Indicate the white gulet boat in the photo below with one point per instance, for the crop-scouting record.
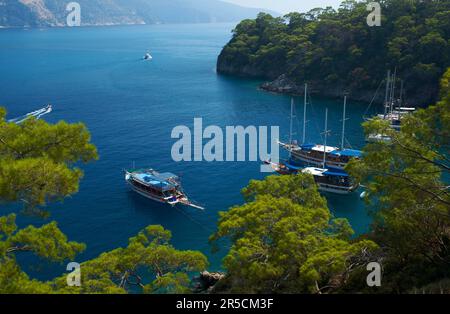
(160, 187)
(394, 111)
(331, 180)
(314, 154)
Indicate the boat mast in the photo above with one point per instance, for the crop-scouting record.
(325, 139)
(393, 92)
(343, 123)
(400, 101)
(386, 97)
(291, 123)
(304, 113)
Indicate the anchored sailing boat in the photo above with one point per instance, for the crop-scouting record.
(392, 113)
(313, 154)
(160, 187)
(328, 180)
(333, 181)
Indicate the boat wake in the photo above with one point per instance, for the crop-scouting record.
(37, 114)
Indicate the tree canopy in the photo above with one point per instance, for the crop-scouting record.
(285, 240)
(407, 183)
(148, 264)
(38, 160)
(46, 242)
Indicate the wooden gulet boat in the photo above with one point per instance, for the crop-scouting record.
(160, 187)
(314, 154)
(327, 179)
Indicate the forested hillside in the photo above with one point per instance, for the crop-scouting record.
(38, 13)
(336, 51)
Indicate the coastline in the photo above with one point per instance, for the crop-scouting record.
(286, 86)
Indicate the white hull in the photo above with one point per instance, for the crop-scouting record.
(335, 190)
(149, 196)
(317, 162)
(378, 138)
(327, 186)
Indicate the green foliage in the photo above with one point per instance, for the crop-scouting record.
(284, 239)
(408, 192)
(46, 242)
(336, 48)
(37, 160)
(148, 255)
(37, 166)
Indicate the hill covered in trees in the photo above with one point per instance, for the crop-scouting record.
(336, 51)
(47, 13)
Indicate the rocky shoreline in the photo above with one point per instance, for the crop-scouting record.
(284, 85)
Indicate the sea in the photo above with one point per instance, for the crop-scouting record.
(97, 75)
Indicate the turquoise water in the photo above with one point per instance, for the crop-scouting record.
(96, 75)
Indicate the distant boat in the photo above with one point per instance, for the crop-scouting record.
(160, 187)
(148, 56)
(394, 111)
(378, 138)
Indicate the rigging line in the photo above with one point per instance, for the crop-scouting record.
(348, 143)
(373, 99)
(192, 219)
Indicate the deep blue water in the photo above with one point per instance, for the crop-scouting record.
(96, 75)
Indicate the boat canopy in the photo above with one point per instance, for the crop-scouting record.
(166, 176)
(318, 148)
(159, 181)
(347, 153)
(326, 149)
(307, 146)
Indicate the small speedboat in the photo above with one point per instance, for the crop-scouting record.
(148, 56)
(36, 114)
(160, 187)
